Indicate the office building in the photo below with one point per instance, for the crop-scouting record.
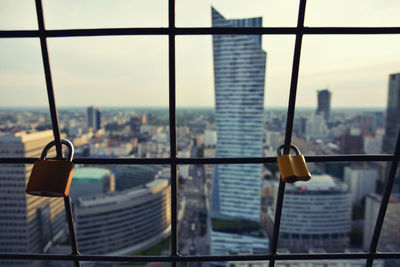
(239, 76)
(122, 223)
(93, 118)
(316, 214)
(324, 104)
(28, 223)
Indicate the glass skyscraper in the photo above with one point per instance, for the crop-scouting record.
(239, 76)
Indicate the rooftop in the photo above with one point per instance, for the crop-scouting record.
(129, 195)
(318, 182)
(89, 174)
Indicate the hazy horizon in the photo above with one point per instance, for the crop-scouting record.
(133, 70)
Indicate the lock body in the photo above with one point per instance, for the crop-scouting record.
(293, 168)
(50, 178)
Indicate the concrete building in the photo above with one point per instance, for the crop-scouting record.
(28, 224)
(389, 239)
(324, 104)
(361, 181)
(129, 221)
(89, 181)
(316, 214)
(239, 76)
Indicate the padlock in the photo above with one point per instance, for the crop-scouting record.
(52, 177)
(292, 168)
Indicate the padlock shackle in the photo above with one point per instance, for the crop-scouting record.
(65, 142)
(295, 148)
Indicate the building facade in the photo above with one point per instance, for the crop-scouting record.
(124, 222)
(28, 224)
(316, 214)
(239, 70)
(239, 77)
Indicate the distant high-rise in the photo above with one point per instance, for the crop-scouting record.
(239, 76)
(324, 103)
(93, 118)
(28, 223)
(392, 114)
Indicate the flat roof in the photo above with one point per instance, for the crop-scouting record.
(89, 174)
(318, 182)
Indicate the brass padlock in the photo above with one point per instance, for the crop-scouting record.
(292, 168)
(52, 177)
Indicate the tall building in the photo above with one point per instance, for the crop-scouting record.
(392, 124)
(239, 76)
(93, 118)
(324, 103)
(392, 114)
(28, 223)
(315, 214)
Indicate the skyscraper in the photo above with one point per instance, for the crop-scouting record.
(93, 118)
(324, 103)
(392, 114)
(28, 223)
(392, 126)
(239, 76)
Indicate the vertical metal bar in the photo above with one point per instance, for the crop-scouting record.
(172, 130)
(49, 83)
(54, 120)
(71, 228)
(289, 125)
(384, 203)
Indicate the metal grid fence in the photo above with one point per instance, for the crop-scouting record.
(171, 31)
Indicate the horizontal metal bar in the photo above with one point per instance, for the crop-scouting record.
(245, 160)
(254, 257)
(198, 31)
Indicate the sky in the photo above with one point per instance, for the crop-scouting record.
(133, 70)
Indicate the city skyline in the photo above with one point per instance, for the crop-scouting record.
(91, 66)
